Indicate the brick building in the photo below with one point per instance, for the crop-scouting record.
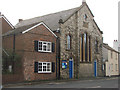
(36, 45)
(78, 44)
(5, 25)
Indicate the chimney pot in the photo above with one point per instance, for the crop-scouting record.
(20, 20)
(83, 1)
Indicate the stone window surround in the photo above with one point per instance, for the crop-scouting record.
(70, 41)
(85, 16)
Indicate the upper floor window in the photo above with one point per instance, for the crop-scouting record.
(68, 42)
(86, 46)
(43, 46)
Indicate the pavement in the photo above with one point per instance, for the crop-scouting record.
(56, 82)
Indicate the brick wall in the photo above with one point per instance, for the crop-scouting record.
(24, 46)
(5, 26)
(39, 33)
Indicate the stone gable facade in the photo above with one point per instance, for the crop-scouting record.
(79, 23)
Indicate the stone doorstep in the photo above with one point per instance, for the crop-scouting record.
(55, 81)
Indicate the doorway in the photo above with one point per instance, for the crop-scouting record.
(95, 68)
(70, 68)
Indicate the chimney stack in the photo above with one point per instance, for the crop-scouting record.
(20, 20)
(0, 14)
(83, 1)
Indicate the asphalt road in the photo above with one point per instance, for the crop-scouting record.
(96, 83)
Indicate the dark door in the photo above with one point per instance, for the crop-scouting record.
(95, 68)
(70, 69)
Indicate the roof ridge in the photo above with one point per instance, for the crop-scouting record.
(108, 47)
(51, 13)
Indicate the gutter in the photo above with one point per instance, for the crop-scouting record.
(57, 58)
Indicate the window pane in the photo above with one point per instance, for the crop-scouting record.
(48, 47)
(40, 63)
(40, 43)
(48, 69)
(68, 42)
(82, 48)
(44, 48)
(85, 42)
(40, 69)
(44, 42)
(40, 46)
(48, 66)
(48, 63)
(44, 68)
(44, 63)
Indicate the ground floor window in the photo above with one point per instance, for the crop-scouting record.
(44, 67)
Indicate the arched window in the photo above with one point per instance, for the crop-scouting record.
(68, 42)
(85, 42)
(82, 47)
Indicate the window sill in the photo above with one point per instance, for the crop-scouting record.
(86, 62)
(68, 49)
(44, 72)
(97, 53)
(44, 51)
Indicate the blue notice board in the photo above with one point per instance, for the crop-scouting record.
(64, 64)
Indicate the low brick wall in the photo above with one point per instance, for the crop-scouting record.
(12, 78)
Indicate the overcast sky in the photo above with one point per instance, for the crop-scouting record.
(105, 12)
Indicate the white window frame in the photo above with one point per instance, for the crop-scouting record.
(46, 46)
(46, 67)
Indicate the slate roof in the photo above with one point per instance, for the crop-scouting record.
(51, 20)
(19, 29)
(108, 47)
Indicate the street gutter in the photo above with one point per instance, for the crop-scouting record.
(55, 81)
